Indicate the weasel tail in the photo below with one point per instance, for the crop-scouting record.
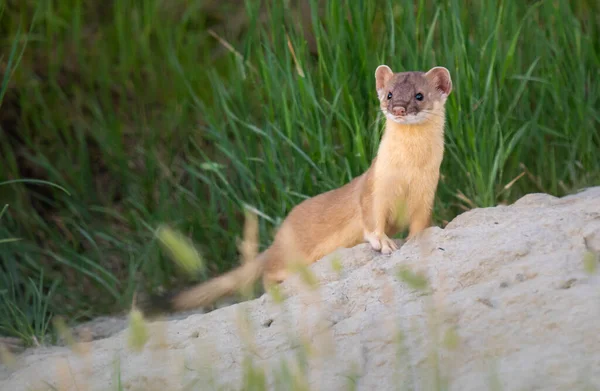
(239, 279)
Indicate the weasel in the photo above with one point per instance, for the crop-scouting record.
(397, 190)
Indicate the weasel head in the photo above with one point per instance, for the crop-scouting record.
(409, 98)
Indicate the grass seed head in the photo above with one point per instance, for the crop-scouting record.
(181, 250)
(138, 330)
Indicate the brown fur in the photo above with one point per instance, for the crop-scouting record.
(397, 190)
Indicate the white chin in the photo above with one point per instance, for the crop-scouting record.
(409, 119)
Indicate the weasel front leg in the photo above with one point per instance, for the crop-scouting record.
(378, 239)
(420, 218)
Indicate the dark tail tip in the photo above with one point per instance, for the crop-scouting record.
(156, 304)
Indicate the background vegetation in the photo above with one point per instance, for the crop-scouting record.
(118, 116)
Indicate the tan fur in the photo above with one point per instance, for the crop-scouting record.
(397, 190)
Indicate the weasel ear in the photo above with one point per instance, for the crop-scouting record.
(439, 77)
(383, 73)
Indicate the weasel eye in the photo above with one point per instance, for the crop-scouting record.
(419, 96)
(389, 95)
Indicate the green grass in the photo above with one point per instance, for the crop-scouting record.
(139, 116)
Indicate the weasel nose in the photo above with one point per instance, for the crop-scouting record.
(399, 110)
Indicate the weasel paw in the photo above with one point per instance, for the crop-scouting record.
(381, 243)
(388, 246)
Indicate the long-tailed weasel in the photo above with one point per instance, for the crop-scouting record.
(397, 190)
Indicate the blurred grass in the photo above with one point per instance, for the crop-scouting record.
(182, 112)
